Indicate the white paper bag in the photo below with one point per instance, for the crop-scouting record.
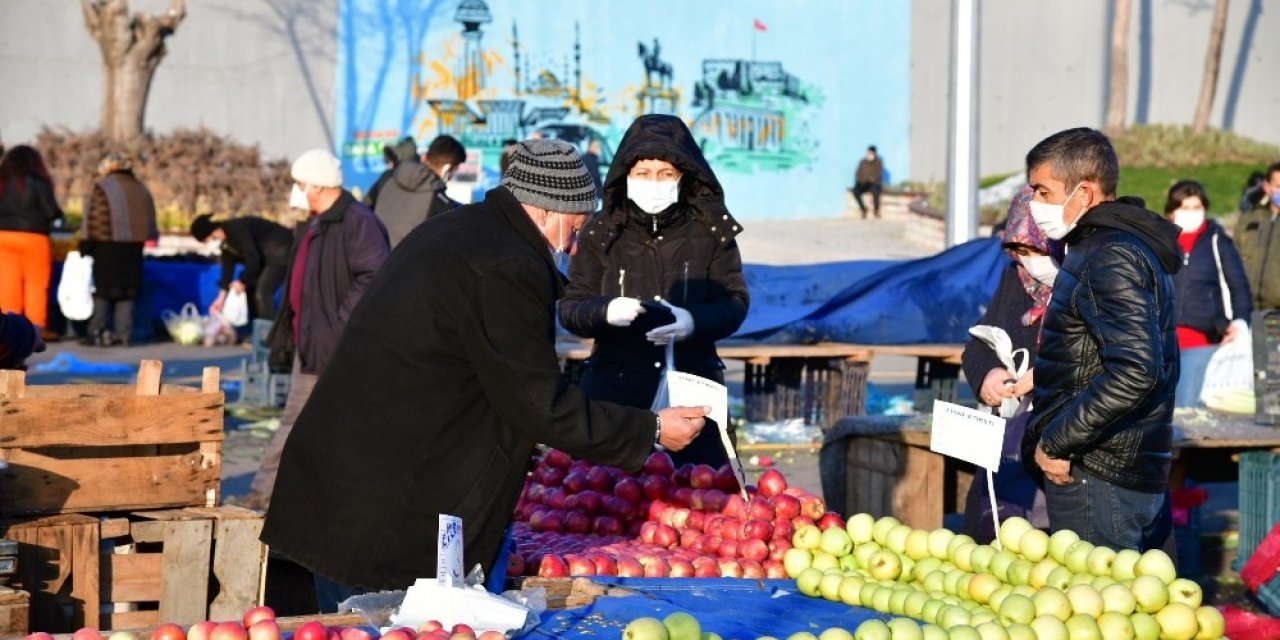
(75, 288)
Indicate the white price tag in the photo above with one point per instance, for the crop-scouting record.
(449, 552)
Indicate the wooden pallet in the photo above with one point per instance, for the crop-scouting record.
(14, 619)
(141, 568)
(93, 448)
(567, 593)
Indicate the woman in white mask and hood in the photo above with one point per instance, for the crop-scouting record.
(659, 264)
(1018, 307)
(1211, 291)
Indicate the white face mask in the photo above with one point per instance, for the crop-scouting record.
(1043, 268)
(1051, 217)
(1188, 219)
(653, 196)
(298, 198)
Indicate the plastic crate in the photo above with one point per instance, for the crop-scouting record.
(259, 387)
(1266, 366)
(1259, 500)
(1269, 595)
(1187, 540)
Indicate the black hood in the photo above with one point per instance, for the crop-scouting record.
(1129, 214)
(664, 137)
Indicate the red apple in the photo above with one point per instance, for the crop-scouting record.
(617, 507)
(463, 629)
(38, 635)
(702, 477)
(785, 506)
(728, 549)
(580, 566)
(778, 548)
(656, 487)
(759, 509)
(696, 520)
(659, 464)
(690, 538)
(752, 570)
(429, 626)
(605, 566)
(257, 613)
(598, 479)
(730, 568)
(590, 502)
(735, 507)
(265, 629)
(347, 633)
(756, 549)
(697, 499)
(647, 530)
(680, 518)
(681, 568)
(552, 566)
(577, 523)
(774, 570)
(553, 477)
(730, 529)
(711, 545)
(682, 474)
(86, 633)
(515, 566)
(665, 536)
(492, 635)
(553, 521)
(772, 483)
(782, 528)
(628, 489)
(803, 521)
(557, 458)
(714, 500)
(725, 480)
(401, 633)
(655, 509)
(571, 502)
(166, 631)
(812, 507)
(831, 519)
(575, 481)
(606, 526)
(757, 530)
(554, 498)
(201, 630)
(235, 631)
(680, 497)
(630, 568)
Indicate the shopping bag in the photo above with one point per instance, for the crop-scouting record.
(235, 308)
(75, 288)
(186, 327)
(662, 399)
(217, 331)
(1228, 380)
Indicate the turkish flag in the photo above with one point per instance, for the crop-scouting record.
(759, 26)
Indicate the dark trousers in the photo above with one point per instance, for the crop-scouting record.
(863, 187)
(123, 324)
(264, 291)
(1108, 515)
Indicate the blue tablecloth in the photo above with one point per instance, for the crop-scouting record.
(733, 608)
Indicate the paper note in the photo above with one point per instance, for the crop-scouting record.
(449, 551)
(967, 434)
(688, 390)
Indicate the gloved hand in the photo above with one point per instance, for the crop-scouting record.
(623, 311)
(676, 331)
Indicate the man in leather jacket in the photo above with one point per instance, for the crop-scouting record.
(1108, 362)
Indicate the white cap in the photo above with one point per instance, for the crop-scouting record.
(318, 167)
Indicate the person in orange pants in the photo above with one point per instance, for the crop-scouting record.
(28, 210)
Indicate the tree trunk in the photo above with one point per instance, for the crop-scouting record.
(1118, 101)
(132, 48)
(1212, 61)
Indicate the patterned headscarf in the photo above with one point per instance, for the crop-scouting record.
(1020, 229)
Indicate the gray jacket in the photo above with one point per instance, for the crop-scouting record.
(413, 194)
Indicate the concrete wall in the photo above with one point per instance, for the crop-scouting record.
(258, 70)
(1044, 67)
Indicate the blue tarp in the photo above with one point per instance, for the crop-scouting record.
(736, 609)
(930, 300)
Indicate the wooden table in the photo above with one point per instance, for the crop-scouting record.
(819, 382)
(891, 471)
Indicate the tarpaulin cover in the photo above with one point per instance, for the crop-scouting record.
(736, 609)
(929, 300)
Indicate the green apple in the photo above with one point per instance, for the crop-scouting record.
(808, 582)
(934, 632)
(981, 617)
(917, 544)
(1059, 578)
(1019, 572)
(931, 608)
(1115, 626)
(998, 597)
(1151, 593)
(880, 599)
(858, 526)
(1034, 545)
(849, 588)
(914, 605)
(1040, 572)
(1052, 602)
(1021, 632)
(807, 537)
(963, 555)
(963, 632)
(1011, 532)
(829, 586)
(796, 560)
(981, 586)
(1085, 599)
(1078, 557)
(962, 586)
(1155, 562)
(981, 558)
(896, 539)
(1178, 622)
(935, 581)
(956, 541)
(1212, 625)
(1024, 590)
(1125, 563)
(999, 566)
(682, 626)
(992, 631)
(880, 530)
(835, 633)
(1101, 582)
(1100, 561)
(952, 615)
(863, 553)
(1119, 599)
(908, 574)
(1185, 591)
(926, 566)
(939, 540)
(847, 563)
(835, 542)
(645, 629)
(905, 629)
(823, 561)
(952, 583)
(1049, 628)
(872, 630)
(1083, 626)
(1081, 578)
(1145, 626)
(1059, 542)
(1017, 609)
(802, 635)
(885, 565)
(898, 602)
(866, 593)
(970, 606)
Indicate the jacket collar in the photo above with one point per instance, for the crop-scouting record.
(338, 211)
(515, 216)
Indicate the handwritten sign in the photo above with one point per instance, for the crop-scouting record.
(967, 434)
(449, 552)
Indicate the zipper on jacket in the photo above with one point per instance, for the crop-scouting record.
(622, 282)
(685, 284)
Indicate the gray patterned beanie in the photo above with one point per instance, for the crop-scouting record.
(549, 174)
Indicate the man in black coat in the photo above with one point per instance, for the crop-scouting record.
(261, 245)
(445, 379)
(1101, 428)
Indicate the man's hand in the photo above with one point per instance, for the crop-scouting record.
(1057, 471)
(680, 425)
(237, 286)
(1025, 384)
(998, 385)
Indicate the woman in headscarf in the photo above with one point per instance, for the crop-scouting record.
(1018, 308)
(658, 264)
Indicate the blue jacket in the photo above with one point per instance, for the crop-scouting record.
(1198, 291)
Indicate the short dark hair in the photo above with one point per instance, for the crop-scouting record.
(1076, 155)
(444, 150)
(1272, 170)
(203, 226)
(872, 149)
(1182, 190)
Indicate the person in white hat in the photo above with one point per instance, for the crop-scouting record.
(337, 252)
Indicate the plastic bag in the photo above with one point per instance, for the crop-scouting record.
(662, 399)
(75, 288)
(1228, 380)
(235, 309)
(217, 331)
(186, 327)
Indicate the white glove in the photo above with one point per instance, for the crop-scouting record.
(676, 331)
(623, 311)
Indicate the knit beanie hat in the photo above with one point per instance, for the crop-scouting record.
(549, 174)
(317, 167)
(202, 227)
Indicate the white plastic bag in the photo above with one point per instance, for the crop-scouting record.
(217, 331)
(235, 308)
(185, 327)
(662, 399)
(75, 288)
(1228, 380)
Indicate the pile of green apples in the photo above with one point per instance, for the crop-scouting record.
(1026, 584)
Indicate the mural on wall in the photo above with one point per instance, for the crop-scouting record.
(487, 72)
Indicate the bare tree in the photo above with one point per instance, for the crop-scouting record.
(1212, 62)
(132, 48)
(1117, 103)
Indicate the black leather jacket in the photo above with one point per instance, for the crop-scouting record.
(1108, 361)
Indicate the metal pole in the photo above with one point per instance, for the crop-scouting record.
(962, 145)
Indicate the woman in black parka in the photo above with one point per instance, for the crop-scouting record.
(659, 263)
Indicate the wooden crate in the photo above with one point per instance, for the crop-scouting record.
(13, 613)
(140, 569)
(94, 448)
(567, 593)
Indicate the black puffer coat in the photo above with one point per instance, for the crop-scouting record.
(686, 254)
(1108, 361)
(1198, 289)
